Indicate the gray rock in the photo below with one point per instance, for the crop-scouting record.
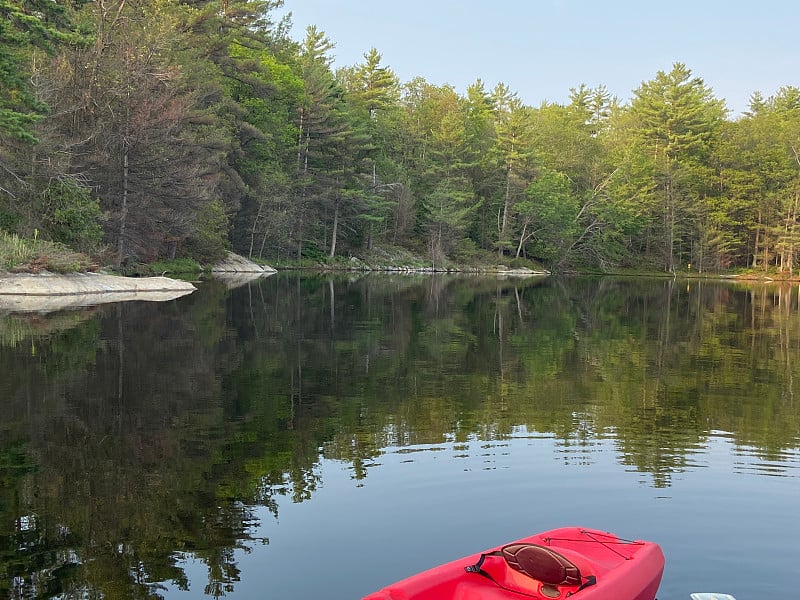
(46, 292)
(239, 264)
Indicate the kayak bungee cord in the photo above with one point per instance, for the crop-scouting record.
(592, 539)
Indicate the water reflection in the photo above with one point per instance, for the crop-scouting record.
(137, 437)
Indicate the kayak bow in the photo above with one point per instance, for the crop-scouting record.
(591, 564)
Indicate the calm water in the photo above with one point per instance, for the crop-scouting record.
(310, 437)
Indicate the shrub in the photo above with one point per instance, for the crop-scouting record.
(209, 243)
(8, 220)
(72, 216)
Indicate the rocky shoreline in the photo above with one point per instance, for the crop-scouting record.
(47, 292)
(500, 270)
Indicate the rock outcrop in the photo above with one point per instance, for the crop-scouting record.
(46, 292)
(239, 264)
(236, 271)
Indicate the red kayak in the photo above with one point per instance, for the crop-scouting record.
(587, 564)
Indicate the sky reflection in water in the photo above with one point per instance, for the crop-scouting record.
(314, 437)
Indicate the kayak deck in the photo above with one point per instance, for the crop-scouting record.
(610, 568)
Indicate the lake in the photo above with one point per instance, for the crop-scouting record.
(312, 436)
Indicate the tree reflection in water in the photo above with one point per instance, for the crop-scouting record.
(136, 434)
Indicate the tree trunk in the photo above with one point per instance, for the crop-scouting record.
(506, 205)
(793, 231)
(335, 228)
(521, 239)
(123, 213)
(253, 229)
(756, 242)
(300, 241)
(670, 226)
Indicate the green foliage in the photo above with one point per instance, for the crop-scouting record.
(217, 102)
(677, 115)
(313, 253)
(374, 88)
(26, 26)
(449, 209)
(667, 140)
(521, 263)
(176, 266)
(552, 209)
(209, 242)
(467, 252)
(8, 220)
(73, 216)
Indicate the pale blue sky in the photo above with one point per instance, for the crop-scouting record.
(542, 48)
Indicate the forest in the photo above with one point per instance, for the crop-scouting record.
(140, 130)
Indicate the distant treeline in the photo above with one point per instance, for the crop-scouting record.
(149, 129)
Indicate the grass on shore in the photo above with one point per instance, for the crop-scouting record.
(20, 255)
(180, 268)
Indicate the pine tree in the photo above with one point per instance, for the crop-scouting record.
(676, 119)
(373, 92)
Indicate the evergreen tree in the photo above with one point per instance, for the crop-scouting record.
(515, 155)
(31, 32)
(476, 163)
(324, 188)
(25, 27)
(373, 92)
(675, 120)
